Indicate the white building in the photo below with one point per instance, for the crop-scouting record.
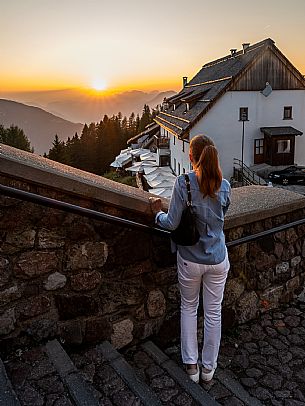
(256, 89)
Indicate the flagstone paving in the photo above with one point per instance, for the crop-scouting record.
(266, 357)
(260, 363)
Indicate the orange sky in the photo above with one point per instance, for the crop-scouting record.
(47, 44)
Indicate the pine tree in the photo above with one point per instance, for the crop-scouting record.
(58, 151)
(137, 124)
(131, 125)
(15, 137)
(73, 150)
(99, 143)
(145, 118)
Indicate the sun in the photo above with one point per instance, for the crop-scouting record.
(99, 84)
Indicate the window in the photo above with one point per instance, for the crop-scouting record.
(283, 146)
(175, 165)
(287, 113)
(259, 146)
(182, 146)
(243, 114)
(183, 169)
(164, 160)
(191, 167)
(178, 168)
(174, 140)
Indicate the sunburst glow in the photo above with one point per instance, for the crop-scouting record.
(99, 84)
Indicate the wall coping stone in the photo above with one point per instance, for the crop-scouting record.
(255, 203)
(249, 203)
(42, 171)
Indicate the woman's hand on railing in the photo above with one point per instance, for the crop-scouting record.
(155, 204)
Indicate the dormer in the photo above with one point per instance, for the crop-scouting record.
(191, 99)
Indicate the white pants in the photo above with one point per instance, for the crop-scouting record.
(213, 278)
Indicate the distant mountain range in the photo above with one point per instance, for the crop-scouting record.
(63, 112)
(79, 106)
(39, 126)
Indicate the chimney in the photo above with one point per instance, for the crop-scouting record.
(184, 81)
(245, 46)
(164, 104)
(233, 51)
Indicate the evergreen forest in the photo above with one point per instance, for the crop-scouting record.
(99, 143)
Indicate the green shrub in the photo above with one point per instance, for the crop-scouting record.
(117, 177)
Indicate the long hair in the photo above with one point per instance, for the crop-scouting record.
(197, 144)
(208, 170)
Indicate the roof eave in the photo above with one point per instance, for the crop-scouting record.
(167, 128)
(229, 85)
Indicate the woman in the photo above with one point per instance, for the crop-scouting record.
(205, 262)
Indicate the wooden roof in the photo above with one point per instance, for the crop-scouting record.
(249, 70)
(278, 131)
(150, 129)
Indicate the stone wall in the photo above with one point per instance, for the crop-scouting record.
(267, 272)
(85, 281)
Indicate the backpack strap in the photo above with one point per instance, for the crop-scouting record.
(188, 188)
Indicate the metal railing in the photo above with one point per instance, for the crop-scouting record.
(71, 208)
(162, 142)
(146, 141)
(245, 175)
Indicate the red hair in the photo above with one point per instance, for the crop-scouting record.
(208, 171)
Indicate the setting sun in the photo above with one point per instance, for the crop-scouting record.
(99, 84)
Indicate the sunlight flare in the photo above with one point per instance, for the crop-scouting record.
(99, 84)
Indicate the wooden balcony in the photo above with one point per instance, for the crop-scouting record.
(162, 142)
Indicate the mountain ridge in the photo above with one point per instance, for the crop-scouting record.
(64, 112)
(39, 126)
(76, 106)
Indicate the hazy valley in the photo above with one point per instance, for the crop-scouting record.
(63, 112)
(77, 106)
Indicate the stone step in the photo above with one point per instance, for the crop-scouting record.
(8, 396)
(128, 375)
(110, 374)
(143, 376)
(224, 387)
(80, 390)
(237, 389)
(34, 379)
(195, 391)
(250, 176)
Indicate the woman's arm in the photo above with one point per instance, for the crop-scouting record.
(228, 201)
(171, 219)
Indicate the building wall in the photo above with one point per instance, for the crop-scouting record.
(222, 123)
(176, 153)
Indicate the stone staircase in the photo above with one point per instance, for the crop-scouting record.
(144, 375)
(246, 175)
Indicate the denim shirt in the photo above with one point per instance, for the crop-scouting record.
(211, 248)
